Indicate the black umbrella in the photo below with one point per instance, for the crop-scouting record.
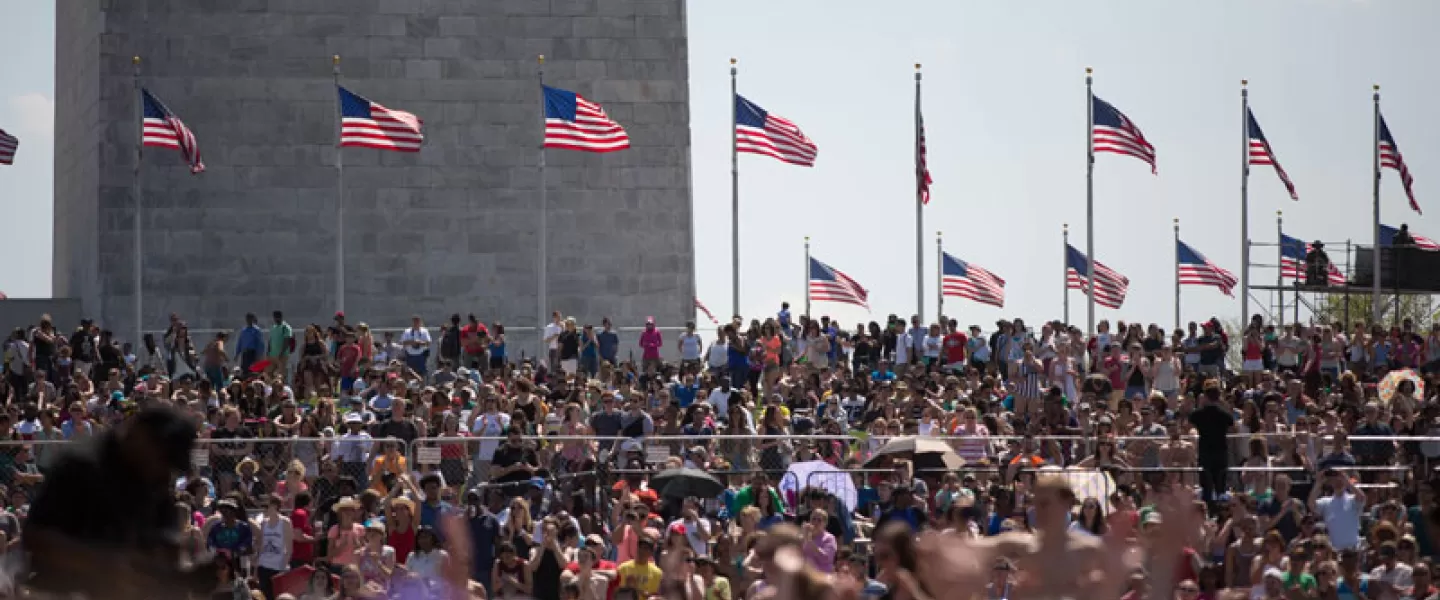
(925, 454)
(684, 483)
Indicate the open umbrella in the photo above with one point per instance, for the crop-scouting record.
(1391, 383)
(926, 454)
(820, 474)
(684, 483)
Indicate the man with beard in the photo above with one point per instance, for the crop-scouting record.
(103, 524)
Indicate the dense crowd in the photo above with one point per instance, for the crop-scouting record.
(330, 457)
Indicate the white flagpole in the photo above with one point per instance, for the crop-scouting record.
(540, 295)
(1090, 197)
(919, 208)
(339, 195)
(1244, 203)
(139, 207)
(807, 277)
(1375, 249)
(735, 206)
(1177, 273)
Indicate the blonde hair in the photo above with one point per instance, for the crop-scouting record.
(296, 467)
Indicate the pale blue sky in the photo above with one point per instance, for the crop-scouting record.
(1004, 108)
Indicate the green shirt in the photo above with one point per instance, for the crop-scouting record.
(1305, 581)
(280, 339)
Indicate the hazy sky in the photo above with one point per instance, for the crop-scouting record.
(1004, 105)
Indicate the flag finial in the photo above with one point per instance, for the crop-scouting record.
(732, 60)
(1278, 213)
(541, 59)
(1089, 71)
(1244, 82)
(1177, 221)
(335, 59)
(938, 233)
(917, 66)
(1377, 87)
(1064, 227)
(135, 60)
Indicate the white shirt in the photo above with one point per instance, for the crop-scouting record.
(902, 348)
(421, 335)
(489, 427)
(719, 354)
(720, 400)
(552, 333)
(353, 447)
(1399, 577)
(1341, 514)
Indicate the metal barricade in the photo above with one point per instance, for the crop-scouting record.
(269, 465)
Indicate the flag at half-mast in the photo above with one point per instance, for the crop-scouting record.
(1390, 158)
(829, 284)
(1194, 269)
(1388, 233)
(8, 145)
(365, 124)
(758, 131)
(968, 280)
(1110, 285)
(574, 123)
(706, 311)
(1292, 261)
(1262, 154)
(162, 129)
(1115, 133)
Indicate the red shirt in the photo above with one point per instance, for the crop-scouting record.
(603, 565)
(349, 356)
(470, 338)
(300, 521)
(403, 542)
(955, 347)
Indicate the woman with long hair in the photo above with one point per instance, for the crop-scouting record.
(497, 347)
(518, 527)
(314, 361)
(1092, 518)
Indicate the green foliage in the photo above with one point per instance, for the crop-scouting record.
(1333, 309)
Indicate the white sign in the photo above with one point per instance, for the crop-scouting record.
(200, 458)
(427, 455)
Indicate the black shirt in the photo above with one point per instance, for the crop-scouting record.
(1210, 356)
(1213, 422)
(507, 455)
(569, 345)
(402, 430)
(82, 346)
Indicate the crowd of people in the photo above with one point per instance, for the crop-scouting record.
(329, 459)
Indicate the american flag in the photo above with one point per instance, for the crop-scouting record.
(759, 132)
(1292, 261)
(165, 130)
(1390, 158)
(922, 170)
(1115, 133)
(366, 124)
(1194, 269)
(1110, 286)
(701, 306)
(1262, 154)
(967, 280)
(8, 144)
(574, 123)
(1387, 238)
(829, 284)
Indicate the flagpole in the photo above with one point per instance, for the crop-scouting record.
(138, 192)
(939, 278)
(1090, 197)
(339, 196)
(1244, 203)
(1177, 273)
(542, 272)
(919, 208)
(735, 208)
(1065, 268)
(1280, 258)
(807, 277)
(1375, 185)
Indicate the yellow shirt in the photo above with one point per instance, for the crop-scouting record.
(719, 589)
(645, 578)
(384, 465)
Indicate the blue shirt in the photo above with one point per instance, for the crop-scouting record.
(609, 345)
(236, 538)
(737, 358)
(683, 394)
(430, 515)
(251, 339)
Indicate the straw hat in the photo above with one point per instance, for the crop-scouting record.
(347, 502)
(250, 462)
(403, 502)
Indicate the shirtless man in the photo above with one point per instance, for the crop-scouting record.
(1055, 562)
(1177, 454)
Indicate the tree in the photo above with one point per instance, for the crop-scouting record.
(1334, 308)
